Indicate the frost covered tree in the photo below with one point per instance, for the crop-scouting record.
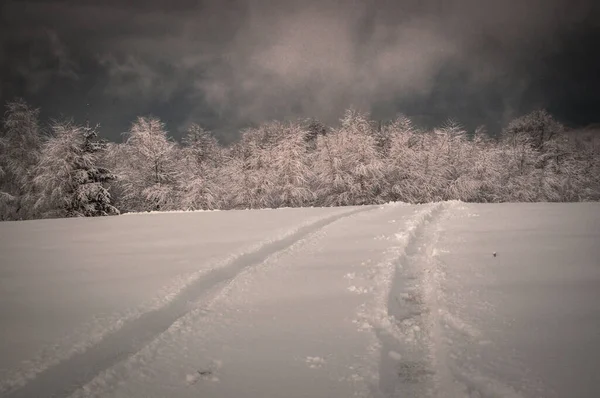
(147, 167)
(269, 167)
(537, 128)
(20, 143)
(6, 199)
(577, 165)
(405, 175)
(304, 163)
(485, 168)
(249, 167)
(236, 175)
(314, 129)
(453, 155)
(290, 177)
(531, 147)
(202, 157)
(348, 165)
(112, 158)
(67, 178)
(425, 166)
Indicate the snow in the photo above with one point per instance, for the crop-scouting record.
(444, 299)
(65, 284)
(526, 322)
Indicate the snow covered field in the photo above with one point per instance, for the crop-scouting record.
(374, 301)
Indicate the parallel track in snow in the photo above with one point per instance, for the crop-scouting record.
(407, 366)
(66, 377)
(415, 355)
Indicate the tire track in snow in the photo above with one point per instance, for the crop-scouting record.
(64, 378)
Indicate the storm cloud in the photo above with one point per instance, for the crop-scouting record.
(231, 63)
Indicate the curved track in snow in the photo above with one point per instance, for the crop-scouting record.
(65, 377)
(378, 301)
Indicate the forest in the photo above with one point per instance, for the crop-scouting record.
(66, 170)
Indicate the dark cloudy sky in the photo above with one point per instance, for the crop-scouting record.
(230, 63)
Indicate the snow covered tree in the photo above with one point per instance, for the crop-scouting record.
(314, 129)
(348, 165)
(236, 176)
(6, 198)
(20, 143)
(422, 167)
(68, 180)
(289, 164)
(531, 147)
(454, 154)
(290, 175)
(147, 167)
(202, 156)
(429, 166)
(485, 168)
(269, 167)
(249, 168)
(112, 158)
(537, 128)
(405, 178)
(577, 162)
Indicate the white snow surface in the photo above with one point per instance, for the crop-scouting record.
(376, 301)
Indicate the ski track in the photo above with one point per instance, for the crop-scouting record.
(64, 375)
(395, 314)
(413, 326)
(406, 318)
(108, 381)
(91, 333)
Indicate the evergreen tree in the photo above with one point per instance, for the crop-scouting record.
(68, 180)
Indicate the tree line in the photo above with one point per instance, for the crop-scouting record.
(66, 170)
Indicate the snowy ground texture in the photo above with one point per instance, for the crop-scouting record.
(375, 301)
